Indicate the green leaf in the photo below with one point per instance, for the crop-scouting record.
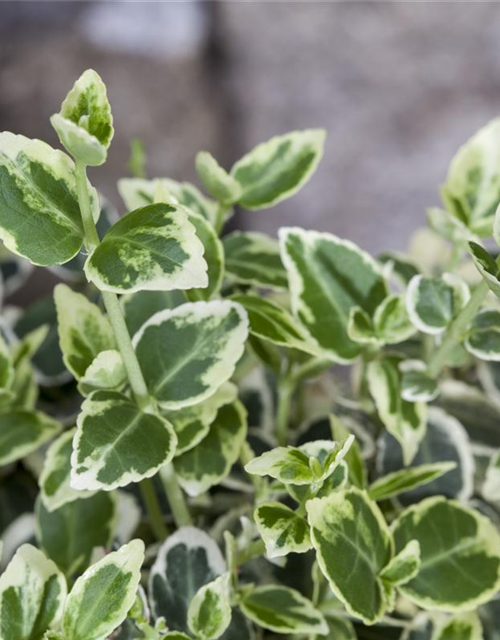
(22, 432)
(155, 247)
(286, 464)
(140, 306)
(187, 353)
(192, 424)
(460, 553)
(398, 267)
(213, 255)
(211, 460)
(102, 596)
(328, 277)
(466, 626)
(110, 450)
(39, 212)
(340, 629)
(407, 479)
(32, 594)
(406, 421)
(433, 302)
(491, 487)
(282, 530)
(404, 566)
(391, 320)
(217, 181)
(486, 266)
(472, 188)
(6, 365)
(483, 340)
(186, 561)
(353, 457)
(353, 545)
(282, 610)
(271, 322)
(254, 258)
(209, 613)
(54, 481)
(275, 170)
(447, 226)
(107, 371)
(83, 330)
(85, 124)
(360, 328)
(70, 533)
(416, 384)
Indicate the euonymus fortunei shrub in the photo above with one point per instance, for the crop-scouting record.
(182, 455)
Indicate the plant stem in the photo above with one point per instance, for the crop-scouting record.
(457, 329)
(175, 496)
(220, 217)
(285, 392)
(134, 372)
(153, 508)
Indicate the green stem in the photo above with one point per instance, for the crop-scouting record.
(134, 372)
(457, 329)
(153, 508)
(220, 217)
(175, 496)
(285, 393)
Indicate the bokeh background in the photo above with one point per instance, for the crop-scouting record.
(398, 86)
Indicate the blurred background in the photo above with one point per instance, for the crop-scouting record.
(398, 86)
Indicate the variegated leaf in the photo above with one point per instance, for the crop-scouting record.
(327, 278)
(217, 181)
(416, 384)
(32, 594)
(269, 321)
(209, 613)
(408, 479)
(85, 124)
(211, 460)
(286, 464)
(54, 481)
(282, 530)
(102, 596)
(360, 328)
(348, 525)
(465, 626)
(433, 302)
(472, 188)
(213, 255)
(23, 431)
(483, 339)
(106, 371)
(83, 330)
(39, 212)
(487, 267)
(460, 566)
(404, 566)
(275, 170)
(110, 450)
(406, 421)
(391, 320)
(187, 353)
(491, 487)
(187, 560)
(70, 533)
(140, 306)
(254, 258)
(282, 610)
(155, 248)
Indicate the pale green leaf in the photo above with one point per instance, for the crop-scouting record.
(275, 170)
(155, 248)
(254, 258)
(6, 365)
(433, 302)
(23, 431)
(406, 421)
(466, 626)
(186, 561)
(398, 267)
(217, 181)
(106, 371)
(460, 554)
(213, 255)
(483, 339)
(39, 213)
(491, 487)
(416, 384)
(54, 481)
(353, 457)
(271, 322)
(360, 328)
(472, 188)
(83, 330)
(286, 464)
(486, 266)
(404, 566)
(32, 594)
(340, 628)
(327, 278)
(282, 530)
(346, 525)
(110, 449)
(209, 612)
(70, 533)
(282, 610)
(187, 353)
(408, 479)
(445, 224)
(102, 596)
(391, 320)
(211, 460)
(85, 124)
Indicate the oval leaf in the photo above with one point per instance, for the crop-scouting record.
(282, 530)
